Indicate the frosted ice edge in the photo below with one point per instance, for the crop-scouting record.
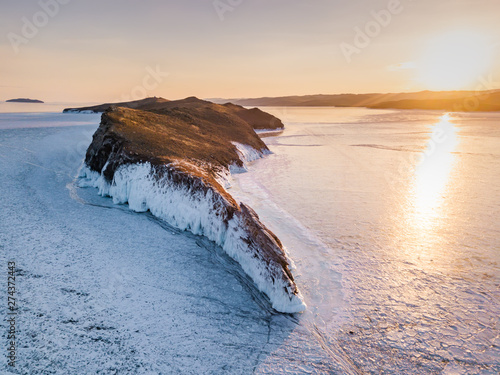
(195, 206)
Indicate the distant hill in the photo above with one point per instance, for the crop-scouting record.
(486, 102)
(24, 100)
(456, 101)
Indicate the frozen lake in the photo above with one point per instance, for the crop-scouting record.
(397, 255)
(392, 218)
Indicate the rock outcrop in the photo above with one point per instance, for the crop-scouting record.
(172, 159)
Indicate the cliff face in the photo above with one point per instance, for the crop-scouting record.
(171, 161)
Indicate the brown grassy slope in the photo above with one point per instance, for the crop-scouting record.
(198, 109)
(254, 116)
(194, 109)
(212, 121)
(131, 136)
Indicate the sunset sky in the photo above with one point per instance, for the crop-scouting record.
(94, 51)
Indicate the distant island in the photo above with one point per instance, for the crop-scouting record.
(455, 101)
(23, 100)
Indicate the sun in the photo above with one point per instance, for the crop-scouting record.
(455, 61)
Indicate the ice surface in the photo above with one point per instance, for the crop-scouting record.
(102, 289)
(105, 289)
(401, 270)
(42, 120)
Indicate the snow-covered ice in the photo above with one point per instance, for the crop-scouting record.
(391, 287)
(398, 261)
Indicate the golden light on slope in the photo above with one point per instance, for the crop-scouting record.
(455, 61)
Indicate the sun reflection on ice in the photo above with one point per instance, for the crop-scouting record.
(433, 171)
(426, 214)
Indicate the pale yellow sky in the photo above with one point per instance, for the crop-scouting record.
(94, 51)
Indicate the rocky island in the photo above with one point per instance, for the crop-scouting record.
(174, 158)
(23, 100)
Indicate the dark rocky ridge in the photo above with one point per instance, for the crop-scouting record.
(188, 144)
